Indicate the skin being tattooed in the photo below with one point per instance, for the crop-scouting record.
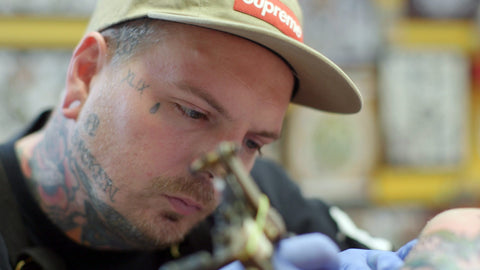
(446, 249)
(450, 241)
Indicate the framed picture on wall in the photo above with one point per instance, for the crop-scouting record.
(443, 9)
(424, 106)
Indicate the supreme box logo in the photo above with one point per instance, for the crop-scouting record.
(273, 12)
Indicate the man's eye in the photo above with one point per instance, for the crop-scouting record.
(253, 146)
(191, 113)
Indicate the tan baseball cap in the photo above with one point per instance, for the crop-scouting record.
(275, 24)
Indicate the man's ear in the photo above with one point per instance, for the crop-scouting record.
(87, 60)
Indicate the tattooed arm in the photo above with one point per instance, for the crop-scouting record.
(451, 240)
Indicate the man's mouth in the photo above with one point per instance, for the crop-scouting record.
(183, 206)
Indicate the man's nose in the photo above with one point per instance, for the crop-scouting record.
(246, 158)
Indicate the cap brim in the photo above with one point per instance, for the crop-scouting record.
(322, 84)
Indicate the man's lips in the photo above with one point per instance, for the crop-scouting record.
(183, 206)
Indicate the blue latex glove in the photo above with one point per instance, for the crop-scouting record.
(403, 251)
(313, 251)
(364, 259)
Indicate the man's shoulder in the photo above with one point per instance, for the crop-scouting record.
(268, 172)
(11, 225)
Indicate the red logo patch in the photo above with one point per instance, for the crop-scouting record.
(273, 12)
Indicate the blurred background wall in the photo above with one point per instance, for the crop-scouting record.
(412, 151)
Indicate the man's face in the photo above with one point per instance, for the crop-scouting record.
(146, 119)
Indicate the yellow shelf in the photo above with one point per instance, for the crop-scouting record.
(461, 34)
(395, 185)
(435, 188)
(27, 32)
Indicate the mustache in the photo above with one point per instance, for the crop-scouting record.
(198, 188)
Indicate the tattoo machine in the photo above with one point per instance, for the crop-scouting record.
(246, 226)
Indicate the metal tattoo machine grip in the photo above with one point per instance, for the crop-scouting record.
(246, 227)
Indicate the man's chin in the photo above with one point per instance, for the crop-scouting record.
(170, 230)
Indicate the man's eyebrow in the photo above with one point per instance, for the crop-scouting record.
(199, 92)
(268, 134)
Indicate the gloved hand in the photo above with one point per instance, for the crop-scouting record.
(403, 251)
(313, 251)
(364, 259)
